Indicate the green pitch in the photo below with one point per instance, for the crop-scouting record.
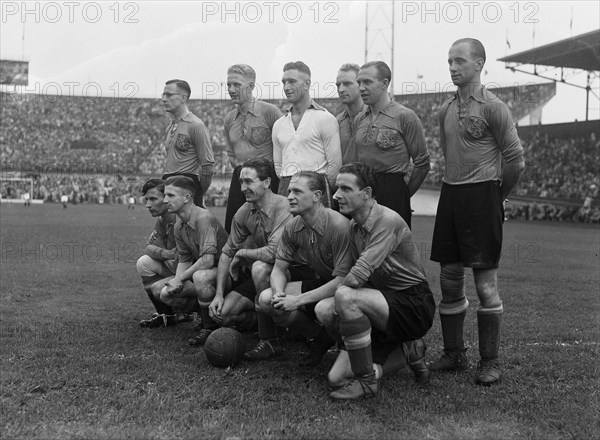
(75, 364)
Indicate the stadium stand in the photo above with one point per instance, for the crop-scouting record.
(99, 150)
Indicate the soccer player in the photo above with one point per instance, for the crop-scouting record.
(388, 135)
(160, 255)
(384, 300)
(199, 237)
(349, 94)
(319, 236)
(189, 152)
(247, 131)
(484, 160)
(262, 218)
(306, 138)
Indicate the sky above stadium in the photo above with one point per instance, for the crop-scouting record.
(129, 49)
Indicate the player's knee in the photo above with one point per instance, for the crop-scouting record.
(325, 311)
(202, 277)
(143, 266)
(261, 271)
(263, 302)
(344, 296)
(486, 285)
(452, 282)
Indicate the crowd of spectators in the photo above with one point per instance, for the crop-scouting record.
(96, 149)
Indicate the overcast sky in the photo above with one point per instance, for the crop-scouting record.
(132, 48)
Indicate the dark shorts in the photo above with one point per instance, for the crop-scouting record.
(307, 286)
(392, 192)
(468, 225)
(411, 315)
(199, 196)
(236, 197)
(245, 286)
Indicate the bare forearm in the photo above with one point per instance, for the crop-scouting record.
(260, 254)
(222, 274)
(325, 291)
(416, 179)
(159, 253)
(511, 173)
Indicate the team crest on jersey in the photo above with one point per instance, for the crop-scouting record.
(183, 142)
(259, 135)
(387, 139)
(476, 127)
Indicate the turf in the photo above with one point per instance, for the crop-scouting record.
(75, 364)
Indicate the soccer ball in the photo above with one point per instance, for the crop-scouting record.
(225, 347)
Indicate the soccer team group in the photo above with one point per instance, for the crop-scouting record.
(317, 238)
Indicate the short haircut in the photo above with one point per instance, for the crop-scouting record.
(383, 70)
(153, 183)
(263, 167)
(316, 181)
(181, 84)
(350, 67)
(297, 65)
(243, 69)
(477, 49)
(365, 175)
(183, 182)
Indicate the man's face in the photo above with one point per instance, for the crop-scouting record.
(464, 67)
(154, 202)
(176, 198)
(347, 87)
(349, 196)
(371, 88)
(295, 85)
(173, 98)
(239, 88)
(300, 196)
(253, 188)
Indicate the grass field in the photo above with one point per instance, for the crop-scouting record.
(75, 364)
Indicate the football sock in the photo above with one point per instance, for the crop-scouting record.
(207, 321)
(161, 308)
(266, 327)
(356, 334)
(489, 323)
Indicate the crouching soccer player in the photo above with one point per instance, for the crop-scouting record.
(384, 300)
(199, 237)
(262, 218)
(318, 236)
(160, 255)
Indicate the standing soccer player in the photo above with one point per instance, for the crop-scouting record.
(262, 217)
(384, 300)
(349, 93)
(247, 131)
(189, 152)
(484, 160)
(199, 237)
(306, 138)
(318, 236)
(388, 136)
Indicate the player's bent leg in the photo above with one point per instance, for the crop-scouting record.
(269, 344)
(151, 271)
(204, 282)
(452, 309)
(489, 324)
(325, 311)
(261, 274)
(238, 311)
(355, 327)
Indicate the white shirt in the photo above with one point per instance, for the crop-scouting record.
(314, 146)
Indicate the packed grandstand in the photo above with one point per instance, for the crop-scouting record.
(100, 150)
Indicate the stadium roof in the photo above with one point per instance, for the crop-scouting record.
(580, 52)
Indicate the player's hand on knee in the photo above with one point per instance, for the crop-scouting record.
(174, 286)
(215, 308)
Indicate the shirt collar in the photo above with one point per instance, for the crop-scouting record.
(312, 105)
(196, 211)
(373, 216)
(250, 110)
(319, 224)
(385, 110)
(267, 208)
(478, 94)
